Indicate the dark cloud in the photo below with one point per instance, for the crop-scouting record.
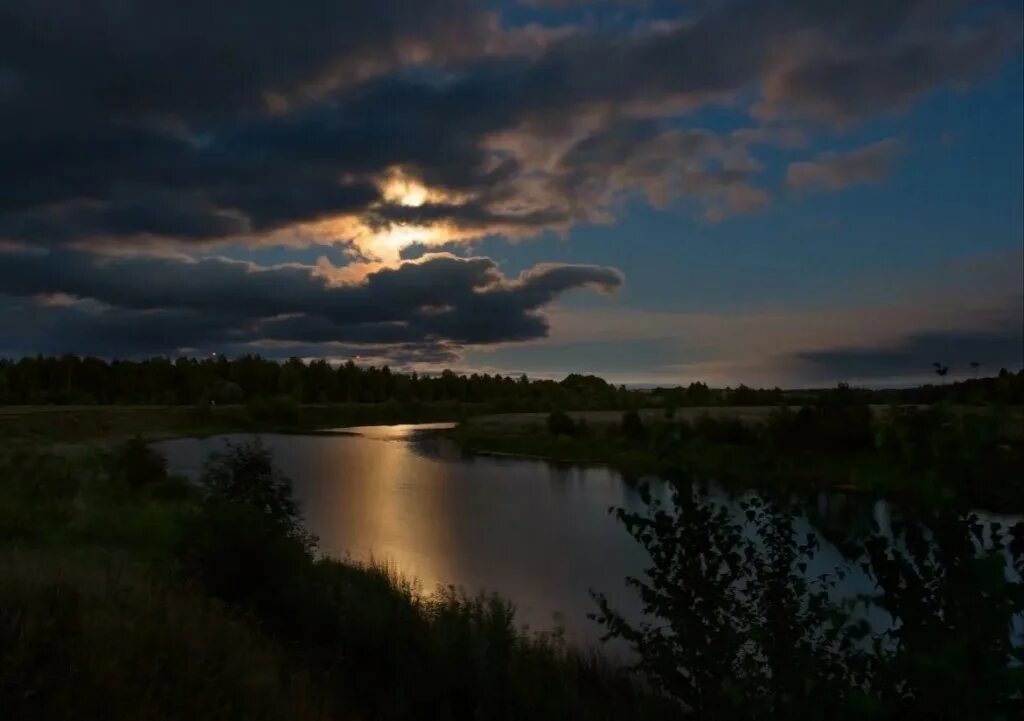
(472, 215)
(123, 121)
(163, 303)
(28, 326)
(868, 164)
(136, 59)
(841, 83)
(717, 169)
(128, 118)
(414, 251)
(999, 347)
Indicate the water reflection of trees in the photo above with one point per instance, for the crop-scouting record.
(742, 620)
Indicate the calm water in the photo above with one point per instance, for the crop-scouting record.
(539, 535)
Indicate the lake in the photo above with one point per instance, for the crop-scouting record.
(538, 534)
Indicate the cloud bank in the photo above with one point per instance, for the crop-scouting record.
(173, 305)
(166, 131)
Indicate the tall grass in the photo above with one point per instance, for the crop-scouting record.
(106, 641)
(135, 596)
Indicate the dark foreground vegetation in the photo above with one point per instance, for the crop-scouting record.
(126, 594)
(740, 628)
(129, 594)
(921, 454)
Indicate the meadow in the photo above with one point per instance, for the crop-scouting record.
(126, 594)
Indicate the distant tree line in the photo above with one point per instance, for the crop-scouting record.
(1005, 388)
(71, 379)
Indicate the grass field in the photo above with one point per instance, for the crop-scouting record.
(610, 418)
(74, 424)
(90, 423)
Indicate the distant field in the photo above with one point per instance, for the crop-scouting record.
(113, 422)
(607, 418)
(75, 423)
(86, 423)
(509, 423)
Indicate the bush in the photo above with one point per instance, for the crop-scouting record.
(968, 448)
(729, 431)
(280, 410)
(632, 427)
(139, 465)
(228, 393)
(836, 423)
(241, 555)
(561, 424)
(736, 626)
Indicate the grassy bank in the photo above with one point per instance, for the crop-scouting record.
(726, 462)
(75, 424)
(126, 594)
(922, 454)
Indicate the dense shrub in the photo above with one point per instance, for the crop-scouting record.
(839, 420)
(632, 427)
(245, 475)
(561, 424)
(279, 410)
(138, 464)
(738, 628)
(726, 430)
(228, 393)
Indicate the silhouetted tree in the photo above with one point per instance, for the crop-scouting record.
(632, 427)
(735, 627)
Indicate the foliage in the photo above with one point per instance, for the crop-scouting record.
(279, 410)
(245, 476)
(699, 394)
(736, 628)
(727, 430)
(632, 427)
(739, 632)
(138, 464)
(228, 393)
(954, 586)
(103, 641)
(940, 453)
(837, 421)
(979, 455)
(80, 498)
(70, 379)
(561, 424)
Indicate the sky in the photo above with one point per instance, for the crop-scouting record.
(769, 192)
